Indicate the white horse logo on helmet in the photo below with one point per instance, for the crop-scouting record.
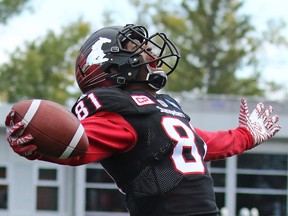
(97, 55)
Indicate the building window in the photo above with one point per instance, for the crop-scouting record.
(3, 174)
(47, 198)
(218, 170)
(262, 183)
(47, 189)
(106, 200)
(47, 174)
(102, 194)
(3, 188)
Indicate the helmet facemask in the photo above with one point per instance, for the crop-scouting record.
(164, 55)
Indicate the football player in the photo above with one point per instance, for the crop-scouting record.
(143, 139)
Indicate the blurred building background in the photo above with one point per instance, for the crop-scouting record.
(253, 182)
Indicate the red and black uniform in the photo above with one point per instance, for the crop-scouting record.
(150, 149)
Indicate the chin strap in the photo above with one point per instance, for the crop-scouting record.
(155, 78)
(157, 81)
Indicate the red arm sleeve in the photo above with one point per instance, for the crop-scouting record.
(223, 144)
(108, 134)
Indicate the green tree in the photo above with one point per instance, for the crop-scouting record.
(45, 67)
(215, 41)
(10, 8)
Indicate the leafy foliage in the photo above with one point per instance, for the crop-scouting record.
(215, 41)
(10, 8)
(45, 67)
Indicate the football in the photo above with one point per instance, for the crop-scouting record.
(56, 131)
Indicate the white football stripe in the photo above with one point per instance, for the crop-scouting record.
(31, 111)
(77, 136)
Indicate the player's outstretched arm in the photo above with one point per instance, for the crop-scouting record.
(261, 123)
(108, 133)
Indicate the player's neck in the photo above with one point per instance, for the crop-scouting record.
(141, 86)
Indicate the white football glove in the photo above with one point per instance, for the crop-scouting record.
(258, 123)
(21, 144)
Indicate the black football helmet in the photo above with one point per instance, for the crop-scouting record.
(105, 48)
